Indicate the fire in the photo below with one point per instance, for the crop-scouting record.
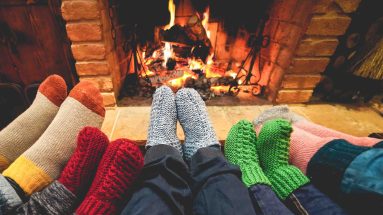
(205, 21)
(172, 11)
(168, 51)
(205, 24)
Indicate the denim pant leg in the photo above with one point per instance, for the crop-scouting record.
(217, 185)
(266, 202)
(163, 185)
(309, 200)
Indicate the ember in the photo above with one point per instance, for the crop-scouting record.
(185, 59)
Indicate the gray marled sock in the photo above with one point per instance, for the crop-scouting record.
(9, 197)
(279, 111)
(163, 120)
(194, 119)
(54, 199)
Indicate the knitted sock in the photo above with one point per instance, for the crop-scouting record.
(119, 167)
(81, 168)
(194, 119)
(273, 151)
(299, 121)
(322, 131)
(19, 135)
(303, 146)
(163, 120)
(240, 149)
(275, 112)
(44, 160)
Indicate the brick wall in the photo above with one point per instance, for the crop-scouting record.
(88, 27)
(329, 19)
(304, 34)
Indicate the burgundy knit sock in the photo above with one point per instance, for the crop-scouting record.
(119, 167)
(81, 168)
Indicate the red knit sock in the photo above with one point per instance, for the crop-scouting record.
(81, 168)
(118, 169)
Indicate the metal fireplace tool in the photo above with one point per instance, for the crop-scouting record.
(249, 78)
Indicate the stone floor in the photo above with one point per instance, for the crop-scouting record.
(132, 122)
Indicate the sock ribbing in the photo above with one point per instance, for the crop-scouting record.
(240, 149)
(273, 151)
(79, 172)
(118, 169)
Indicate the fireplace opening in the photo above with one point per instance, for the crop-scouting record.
(212, 46)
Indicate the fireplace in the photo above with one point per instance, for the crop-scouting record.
(281, 61)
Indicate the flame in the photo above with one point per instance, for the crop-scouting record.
(205, 21)
(168, 51)
(172, 11)
(205, 24)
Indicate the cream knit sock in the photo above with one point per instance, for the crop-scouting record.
(18, 136)
(43, 162)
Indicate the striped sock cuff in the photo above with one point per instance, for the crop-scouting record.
(27, 175)
(4, 163)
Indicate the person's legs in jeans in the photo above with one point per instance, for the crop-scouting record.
(164, 182)
(216, 184)
(240, 150)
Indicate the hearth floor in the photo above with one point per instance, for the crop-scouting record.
(132, 122)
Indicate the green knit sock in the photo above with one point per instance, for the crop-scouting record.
(240, 150)
(273, 150)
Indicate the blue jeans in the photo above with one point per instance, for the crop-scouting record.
(266, 202)
(168, 186)
(309, 200)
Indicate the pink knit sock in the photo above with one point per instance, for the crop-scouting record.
(303, 146)
(322, 131)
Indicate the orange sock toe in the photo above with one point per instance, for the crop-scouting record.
(89, 95)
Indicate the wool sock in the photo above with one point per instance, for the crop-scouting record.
(273, 151)
(19, 135)
(80, 170)
(163, 120)
(44, 160)
(279, 111)
(240, 149)
(322, 131)
(119, 167)
(303, 146)
(299, 121)
(194, 119)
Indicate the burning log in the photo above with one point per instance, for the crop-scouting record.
(165, 76)
(197, 33)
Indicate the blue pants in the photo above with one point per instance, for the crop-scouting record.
(209, 186)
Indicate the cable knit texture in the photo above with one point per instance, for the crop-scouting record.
(119, 167)
(163, 120)
(23, 132)
(194, 119)
(273, 151)
(43, 161)
(240, 149)
(81, 168)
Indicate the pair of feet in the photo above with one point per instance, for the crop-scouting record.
(188, 107)
(100, 173)
(264, 160)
